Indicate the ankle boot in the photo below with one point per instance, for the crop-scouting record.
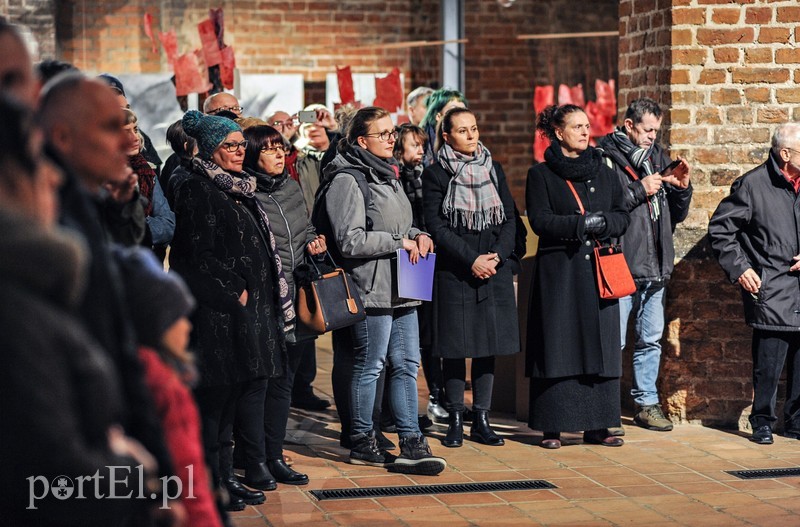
(455, 431)
(481, 431)
(237, 492)
(259, 477)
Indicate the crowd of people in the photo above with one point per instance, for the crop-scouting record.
(180, 377)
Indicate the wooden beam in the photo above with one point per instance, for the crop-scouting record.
(410, 44)
(551, 36)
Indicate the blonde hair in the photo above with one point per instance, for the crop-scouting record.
(130, 118)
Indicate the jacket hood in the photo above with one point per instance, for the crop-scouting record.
(50, 263)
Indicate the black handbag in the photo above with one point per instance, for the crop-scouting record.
(330, 301)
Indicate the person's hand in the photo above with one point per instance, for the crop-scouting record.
(678, 176)
(326, 120)
(243, 298)
(485, 265)
(122, 190)
(796, 266)
(413, 250)
(123, 445)
(594, 223)
(750, 280)
(174, 514)
(317, 245)
(652, 183)
(424, 244)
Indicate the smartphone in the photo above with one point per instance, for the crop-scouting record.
(671, 166)
(309, 116)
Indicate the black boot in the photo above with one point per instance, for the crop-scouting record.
(284, 474)
(455, 431)
(259, 477)
(481, 432)
(239, 492)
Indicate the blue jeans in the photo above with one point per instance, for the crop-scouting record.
(647, 304)
(386, 335)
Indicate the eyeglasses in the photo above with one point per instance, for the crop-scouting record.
(792, 150)
(288, 123)
(233, 146)
(234, 109)
(273, 150)
(384, 136)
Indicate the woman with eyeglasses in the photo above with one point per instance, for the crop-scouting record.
(366, 237)
(469, 212)
(282, 199)
(225, 250)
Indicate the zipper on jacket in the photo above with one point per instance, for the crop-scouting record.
(288, 229)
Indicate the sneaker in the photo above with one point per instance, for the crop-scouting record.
(416, 458)
(652, 418)
(436, 412)
(365, 451)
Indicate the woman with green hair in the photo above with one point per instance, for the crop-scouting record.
(438, 103)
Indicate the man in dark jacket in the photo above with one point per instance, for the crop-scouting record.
(657, 199)
(755, 235)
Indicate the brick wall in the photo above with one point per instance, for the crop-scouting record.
(38, 16)
(728, 72)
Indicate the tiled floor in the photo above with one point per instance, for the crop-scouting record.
(656, 479)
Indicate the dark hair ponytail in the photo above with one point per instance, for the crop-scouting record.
(359, 126)
(554, 117)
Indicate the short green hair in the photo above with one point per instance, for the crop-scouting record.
(438, 100)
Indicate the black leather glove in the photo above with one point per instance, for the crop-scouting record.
(595, 223)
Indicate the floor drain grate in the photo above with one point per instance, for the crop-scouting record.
(766, 473)
(414, 490)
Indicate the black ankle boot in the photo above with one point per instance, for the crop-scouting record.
(237, 491)
(259, 477)
(481, 432)
(455, 431)
(284, 474)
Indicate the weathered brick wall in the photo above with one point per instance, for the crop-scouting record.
(39, 17)
(728, 75)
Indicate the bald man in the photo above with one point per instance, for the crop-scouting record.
(82, 123)
(222, 102)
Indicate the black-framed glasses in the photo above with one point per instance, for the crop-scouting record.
(384, 136)
(234, 109)
(274, 149)
(233, 146)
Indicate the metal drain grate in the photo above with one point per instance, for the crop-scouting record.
(414, 490)
(766, 473)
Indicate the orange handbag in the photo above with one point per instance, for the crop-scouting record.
(614, 279)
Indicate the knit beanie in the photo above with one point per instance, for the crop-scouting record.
(156, 299)
(209, 131)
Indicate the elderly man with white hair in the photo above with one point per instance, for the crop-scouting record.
(755, 235)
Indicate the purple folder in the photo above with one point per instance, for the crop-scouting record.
(415, 281)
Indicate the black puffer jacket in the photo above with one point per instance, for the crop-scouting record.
(648, 245)
(758, 226)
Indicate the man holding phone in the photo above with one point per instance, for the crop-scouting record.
(657, 196)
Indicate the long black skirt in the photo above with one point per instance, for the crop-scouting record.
(574, 404)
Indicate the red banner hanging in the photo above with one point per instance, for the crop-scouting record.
(148, 30)
(542, 98)
(345, 79)
(187, 76)
(208, 37)
(170, 44)
(227, 66)
(388, 92)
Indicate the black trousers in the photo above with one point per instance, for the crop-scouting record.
(305, 372)
(279, 398)
(771, 349)
(455, 376)
(250, 422)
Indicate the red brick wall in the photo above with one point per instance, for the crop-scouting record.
(728, 72)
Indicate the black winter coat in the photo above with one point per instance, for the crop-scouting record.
(758, 226)
(472, 317)
(571, 331)
(220, 251)
(648, 246)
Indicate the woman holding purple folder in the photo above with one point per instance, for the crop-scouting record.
(469, 212)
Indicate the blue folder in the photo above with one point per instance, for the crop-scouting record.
(415, 281)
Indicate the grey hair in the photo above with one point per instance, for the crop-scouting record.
(640, 107)
(416, 93)
(785, 134)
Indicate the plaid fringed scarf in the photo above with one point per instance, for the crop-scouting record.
(244, 185)
(640, 160)
(472, 198)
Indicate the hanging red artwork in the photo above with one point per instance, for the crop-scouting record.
(208, 37)
(388, 92)
(217, 17)
(345, 78)
(227, 66)
(188, 78)
(542, 98)
(170, 44)
(564, 95)
(148, 30)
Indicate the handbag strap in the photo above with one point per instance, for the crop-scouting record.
(577, 198)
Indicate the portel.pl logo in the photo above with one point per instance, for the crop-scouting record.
(116, 488)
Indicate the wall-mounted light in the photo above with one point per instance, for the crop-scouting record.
(505, 3)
